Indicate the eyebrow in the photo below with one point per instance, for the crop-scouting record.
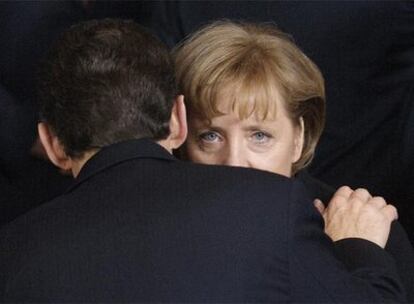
(214, 128)
(208, 126)
(262, 125)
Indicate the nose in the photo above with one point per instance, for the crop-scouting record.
(235, 156)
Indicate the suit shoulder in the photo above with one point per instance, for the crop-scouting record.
(242, 188)
(228, 174)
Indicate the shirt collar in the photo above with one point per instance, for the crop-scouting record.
(120, 152)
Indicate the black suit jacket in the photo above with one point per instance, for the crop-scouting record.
(139, 225)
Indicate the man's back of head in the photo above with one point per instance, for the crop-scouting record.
(104, 82)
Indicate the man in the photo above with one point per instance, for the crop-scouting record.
(140, 226)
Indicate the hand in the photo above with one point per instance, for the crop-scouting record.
(356, 214)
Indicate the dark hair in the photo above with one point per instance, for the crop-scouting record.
(106, 81)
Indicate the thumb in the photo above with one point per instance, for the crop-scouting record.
(319, 206)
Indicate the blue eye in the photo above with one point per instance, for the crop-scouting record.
(209, 136)
(261, 137)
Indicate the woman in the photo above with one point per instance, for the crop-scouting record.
(255, 100)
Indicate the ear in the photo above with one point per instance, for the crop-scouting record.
(299, 140)
(53, 147)
(178, 123)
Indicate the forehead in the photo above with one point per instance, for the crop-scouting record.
(254, 101)
(229, 115)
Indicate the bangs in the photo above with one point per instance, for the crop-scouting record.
(253, 92)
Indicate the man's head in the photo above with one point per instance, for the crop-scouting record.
(106, 81)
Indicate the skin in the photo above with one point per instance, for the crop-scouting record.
(272, 144)
(357, 214)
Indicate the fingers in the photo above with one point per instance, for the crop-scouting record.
(355, 213)
(360, 194)
(319, 206)
(344, 192)
(378, 201)
(387, 209)
(390, 212)
(356, 200)
(340, 198)
(359, 197)
(345, 198)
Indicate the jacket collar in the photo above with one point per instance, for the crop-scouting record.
(120, 152)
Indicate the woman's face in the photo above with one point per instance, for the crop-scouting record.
(271, 145)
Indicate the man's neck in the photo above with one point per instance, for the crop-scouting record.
(77, 164)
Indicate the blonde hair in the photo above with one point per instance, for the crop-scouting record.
(260, 65)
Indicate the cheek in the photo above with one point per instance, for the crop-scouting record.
(279, 162)
(190, 149)
(284, 169)
(195, 154)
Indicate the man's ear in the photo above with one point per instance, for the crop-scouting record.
(178, 123)
(53, 147)
(299, 140)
